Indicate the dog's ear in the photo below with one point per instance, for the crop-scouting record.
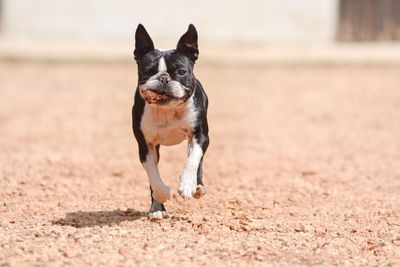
(143, 42)
(187, 45)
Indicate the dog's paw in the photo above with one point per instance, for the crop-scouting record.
(187, 187)
(162, 194)
(157, 215)
(200, 191)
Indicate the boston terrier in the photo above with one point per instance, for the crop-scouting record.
(170, 106)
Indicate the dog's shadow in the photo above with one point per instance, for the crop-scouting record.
(81, 219)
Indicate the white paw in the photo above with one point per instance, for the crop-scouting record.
(187, 187)
(162, 194)
(157, 215)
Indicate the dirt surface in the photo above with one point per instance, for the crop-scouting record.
(303, 169)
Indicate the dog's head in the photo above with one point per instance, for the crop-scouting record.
(166, 77)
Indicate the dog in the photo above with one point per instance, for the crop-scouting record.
(170, 105)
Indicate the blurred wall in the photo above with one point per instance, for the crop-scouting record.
(253, 21)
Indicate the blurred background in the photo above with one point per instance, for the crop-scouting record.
(263, 30)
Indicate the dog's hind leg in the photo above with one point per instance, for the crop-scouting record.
(200, 189)
(157, 209)
(160, 193)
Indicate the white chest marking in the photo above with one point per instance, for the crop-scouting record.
(168, 125)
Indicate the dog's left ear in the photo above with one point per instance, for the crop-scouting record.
(143, 42)
(187, 45)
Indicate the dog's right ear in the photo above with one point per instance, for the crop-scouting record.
(143, 42)
(188, 43)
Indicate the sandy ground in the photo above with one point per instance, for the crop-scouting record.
(303, 169)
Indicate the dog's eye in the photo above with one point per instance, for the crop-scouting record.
(181, 72)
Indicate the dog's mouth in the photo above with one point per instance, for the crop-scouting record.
(156, 97)
(159, 97)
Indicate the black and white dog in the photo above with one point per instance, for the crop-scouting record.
(170, 106)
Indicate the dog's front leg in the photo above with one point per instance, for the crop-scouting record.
(188, 179)
(160, 192)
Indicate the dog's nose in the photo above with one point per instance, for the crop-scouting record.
(164, 79)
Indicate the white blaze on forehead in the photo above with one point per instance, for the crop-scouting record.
(162, 66)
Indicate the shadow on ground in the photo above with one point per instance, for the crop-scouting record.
(81, 219)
